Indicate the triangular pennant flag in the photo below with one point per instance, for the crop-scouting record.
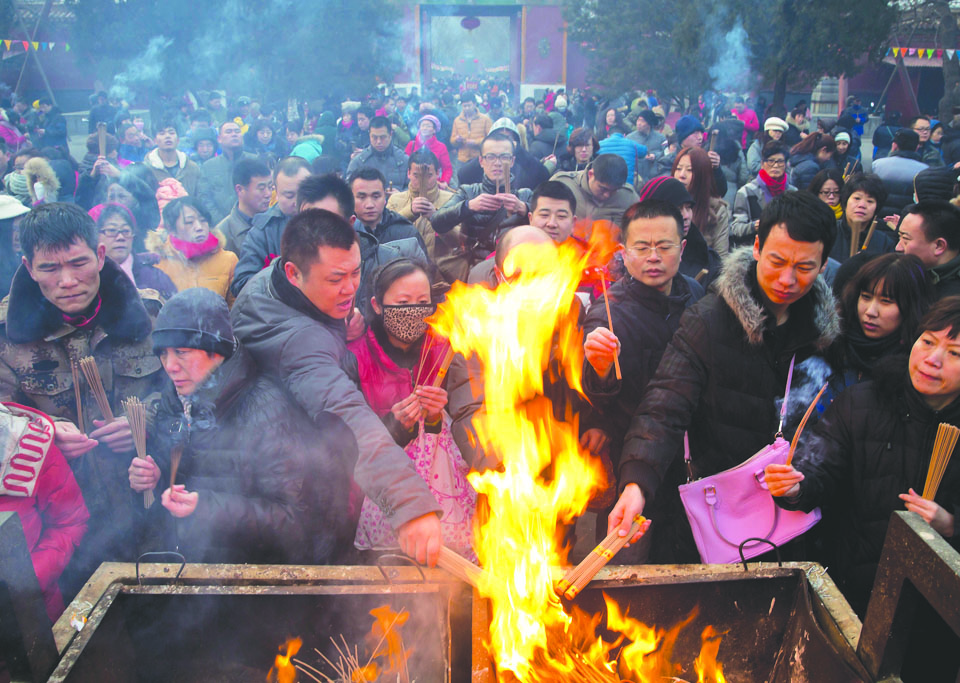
(939, 54)
(46, 46)
(950, 54)
(896, 52)
(36, 45)
(26, 45)
(67, 46)
(912, 51)
(6, 44)
(51, 45)
(929, 53)
(889, 52)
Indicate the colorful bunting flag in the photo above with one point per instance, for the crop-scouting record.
(36, 46)
(939, 54)
(950, 54)
(896, 52)
(67, 47)
(912, 51)
(889, 51)
(51, 45)
(26, 45)
(6, 44)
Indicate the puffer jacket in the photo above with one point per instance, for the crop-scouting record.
(719, 381)
(213, 270)
(873, 443)
(307, 351)
(547, 142)
(882, 241)
(271, 488)
(747, 207)
(527, 171)
(628, 150)
(803, 167)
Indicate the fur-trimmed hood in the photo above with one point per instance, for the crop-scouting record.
(735, 286)
(153, 159)
(38, 170)
(29, 317)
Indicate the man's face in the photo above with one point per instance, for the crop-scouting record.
(529, 108)
(554, 217)
(332, 281)
(287, 191)
(686, 210)
(786, 268)
(205, 150)
(695, 139)
(363, 121)
(469, 109)
(131, 136)
(922, 128)
(68, 278)
(369, 199)
(495, 156)
(167, 138)
(652, 250)
(380, 139)
(230, 137)
(422, 177)
(254, 197)
(642, 126)
(935, 368)
(600, 191)
(913, 240)
(188, 368)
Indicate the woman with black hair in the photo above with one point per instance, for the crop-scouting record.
(809, 157)
(861, 198)
(827, 185)
(612, 123)
(581, 149)
(136, 194)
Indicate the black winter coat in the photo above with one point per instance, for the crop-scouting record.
(527, 171)
(873, 443)
(882, 241)
(271, 488)
(719, 380)
(644, 321)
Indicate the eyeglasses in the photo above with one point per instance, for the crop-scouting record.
(775, 163)
(922, 129)
(662, 249)
(114, 232)
(829, 193)
(502, 158)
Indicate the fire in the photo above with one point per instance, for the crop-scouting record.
(388, 645)
(283, 670)
(707, 668)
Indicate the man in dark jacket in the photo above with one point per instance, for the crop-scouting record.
(252, 185)
(103, 112)
(215, 188)
(726, 366)
(257, 482)
(546, 139)
(51, 126)
(291, 317)
(898, 170)
(527, 170)
(929, 154)
(930, 230)
(382, 155)
(484, 210)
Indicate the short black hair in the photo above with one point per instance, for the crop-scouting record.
(424, 156)
(499, 135)
(906, 140)
(529, 99)
(202, 115)
(553, 189)
(381, 122)
(56, 226)
(609, 169)
(220, 127)
(308, 231)
(869, 183)
(941, 219)
(315, 188)
(173, 210)
(650, 208)
(819, 180)
(290, 166)
(772, 148)
(296, 125)
(391, 271)
(543, 121)
(367, 173)
(806, 218)
(246, 170)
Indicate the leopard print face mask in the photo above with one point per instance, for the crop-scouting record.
(406, 322)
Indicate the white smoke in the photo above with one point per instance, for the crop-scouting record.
(144, 71)
(731, 72)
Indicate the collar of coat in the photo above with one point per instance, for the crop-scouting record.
(153, 159)
(735, 285)
(30, 317)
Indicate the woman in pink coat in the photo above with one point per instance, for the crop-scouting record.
(428, 127)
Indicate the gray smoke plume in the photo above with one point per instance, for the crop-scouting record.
(144, 71)
(731, 72)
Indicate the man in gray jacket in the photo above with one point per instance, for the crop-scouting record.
(215, 189)
(292, 318)
(382, 155)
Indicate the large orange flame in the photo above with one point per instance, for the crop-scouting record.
(283, 670)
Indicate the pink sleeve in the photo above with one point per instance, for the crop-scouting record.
(445, 167)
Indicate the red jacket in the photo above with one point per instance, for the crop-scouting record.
(750, 123)
(439, 149)
(54, 520)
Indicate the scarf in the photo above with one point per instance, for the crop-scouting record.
(776, 187)
(864, 353)
(837, 211)
(85, 318)
(194, 249)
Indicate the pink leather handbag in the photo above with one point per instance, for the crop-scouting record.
(730, 507)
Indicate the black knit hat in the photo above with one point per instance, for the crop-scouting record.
(666, 189)
(196, 318)
(935, 183)
(649, 117)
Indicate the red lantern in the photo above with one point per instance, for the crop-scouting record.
(470, 23)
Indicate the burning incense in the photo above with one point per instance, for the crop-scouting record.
(713, 139)
(866, 242)
(803, 423)
(606, 303)
(137, 417)
(462, 568)
(102, 138)
(942, 450)
(92, 373)
(506, 177)
(75, 371)
(444, 366)
(175, 456)
(577, 578)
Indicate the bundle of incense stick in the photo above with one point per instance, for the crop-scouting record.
(866, 242)
(92, 373)
(137, 417)
(102, 138)
(606, 303)
(803, 423)
(713, 140)
(577, 578)
(506, 177)
(175, 456)
(459, 566)
(75, 371)
(846, 172)
(423, 174)
(444, 366)
(942, 450)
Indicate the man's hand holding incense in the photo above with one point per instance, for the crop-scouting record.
(179, 502)
(600, 349)
(512, 203)
(420, 539)
(782, 480)
(144, 474)
(484, 203)
(115, 435)
(71, 441)
(432, 401)
(421, 206)
(934, 515)
(621, 517)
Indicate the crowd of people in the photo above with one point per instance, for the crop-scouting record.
(262, 286)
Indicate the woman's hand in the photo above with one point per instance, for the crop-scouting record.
(407, 411)
(782, 480)
(432, 401)
(180, 502)
(934, 515)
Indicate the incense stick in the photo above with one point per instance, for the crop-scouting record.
(75, 371)
(606, 302)
(942, 450)
(459, 566)
(175, 456)
(137, 418)
(102, 138)
(846, 172)
(444, 366)
(713, 139)
(803, 423)
(577, 578)
(90, 370)
(854, 240)
(866, 242)
(506, 178)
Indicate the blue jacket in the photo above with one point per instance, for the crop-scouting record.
(629, 150)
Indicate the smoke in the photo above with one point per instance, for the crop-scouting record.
(731, 71)
(144, 71)
(808, 377)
